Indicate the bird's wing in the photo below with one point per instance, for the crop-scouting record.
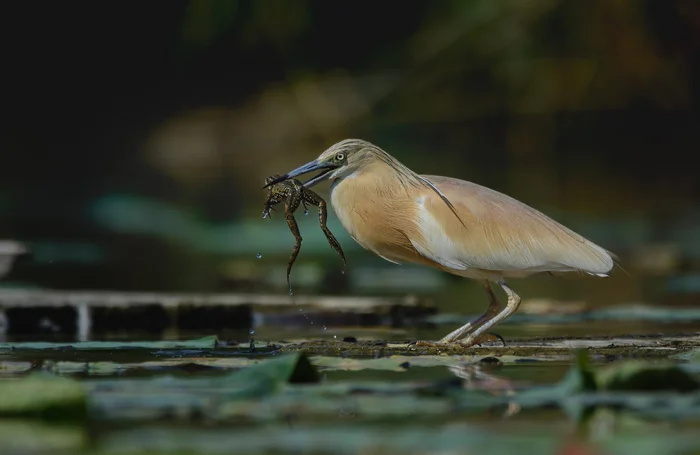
(499, 233)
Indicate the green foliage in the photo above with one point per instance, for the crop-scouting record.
(206, 21)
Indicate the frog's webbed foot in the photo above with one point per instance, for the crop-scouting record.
(334, 243)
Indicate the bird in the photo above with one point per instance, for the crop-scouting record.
(449, 224)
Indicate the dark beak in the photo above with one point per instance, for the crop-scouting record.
(315, 165)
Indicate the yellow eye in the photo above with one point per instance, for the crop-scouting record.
(340, 156)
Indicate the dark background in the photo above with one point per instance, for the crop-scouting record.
(135, 136)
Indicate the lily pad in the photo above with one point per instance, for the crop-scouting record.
(645, 376)
(579, 379)
(13, 367)
(618, 385)
(693, 355)
(402, 362)
(43, 395)
(407, 438)
(171, 396)
(206, 342)
(92, 368)
(541, 348)
(270, 376)
(31, 436)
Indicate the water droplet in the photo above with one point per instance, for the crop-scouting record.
(335, 336)
(311, 321)
(251, 331)
(290, 292)
(259, 255)
(306, 212)
(300, 310)
(325, 328)
(343, 271)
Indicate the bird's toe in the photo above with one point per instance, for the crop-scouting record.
(433, 344)
(471, 341)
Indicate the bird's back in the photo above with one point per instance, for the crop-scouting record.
(499, 234)
(488, 236)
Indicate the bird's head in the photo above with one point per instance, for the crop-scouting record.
(352, 155)
(341, 159)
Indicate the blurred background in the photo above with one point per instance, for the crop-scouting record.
(136, 135)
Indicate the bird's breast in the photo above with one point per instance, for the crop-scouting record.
(377, 215)
(344, 202)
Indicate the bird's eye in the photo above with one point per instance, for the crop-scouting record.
(340, 156)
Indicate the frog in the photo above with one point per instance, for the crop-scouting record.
(293, 193)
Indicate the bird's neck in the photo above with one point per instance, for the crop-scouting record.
(376, 206)
(376, 178)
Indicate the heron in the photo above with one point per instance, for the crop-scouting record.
(449, 224)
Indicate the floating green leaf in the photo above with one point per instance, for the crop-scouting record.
(31, 436)
(200, 343)
(347, 437)
(172, 396)
(402, 362)
(692, 355)
(270, 376)
(93, 368)
(43, 395)
(579, 379)
(12, 367)
(645, 376)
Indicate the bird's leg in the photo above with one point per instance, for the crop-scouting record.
(491, 312)
(511, 307)
(322, 216)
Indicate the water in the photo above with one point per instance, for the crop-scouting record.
(259, 255)
(379, 413)
(132, 413)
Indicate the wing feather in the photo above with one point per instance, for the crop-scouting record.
(498, 233)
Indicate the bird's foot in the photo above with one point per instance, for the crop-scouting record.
(465, 343)
(471, 341)
(430, 344)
